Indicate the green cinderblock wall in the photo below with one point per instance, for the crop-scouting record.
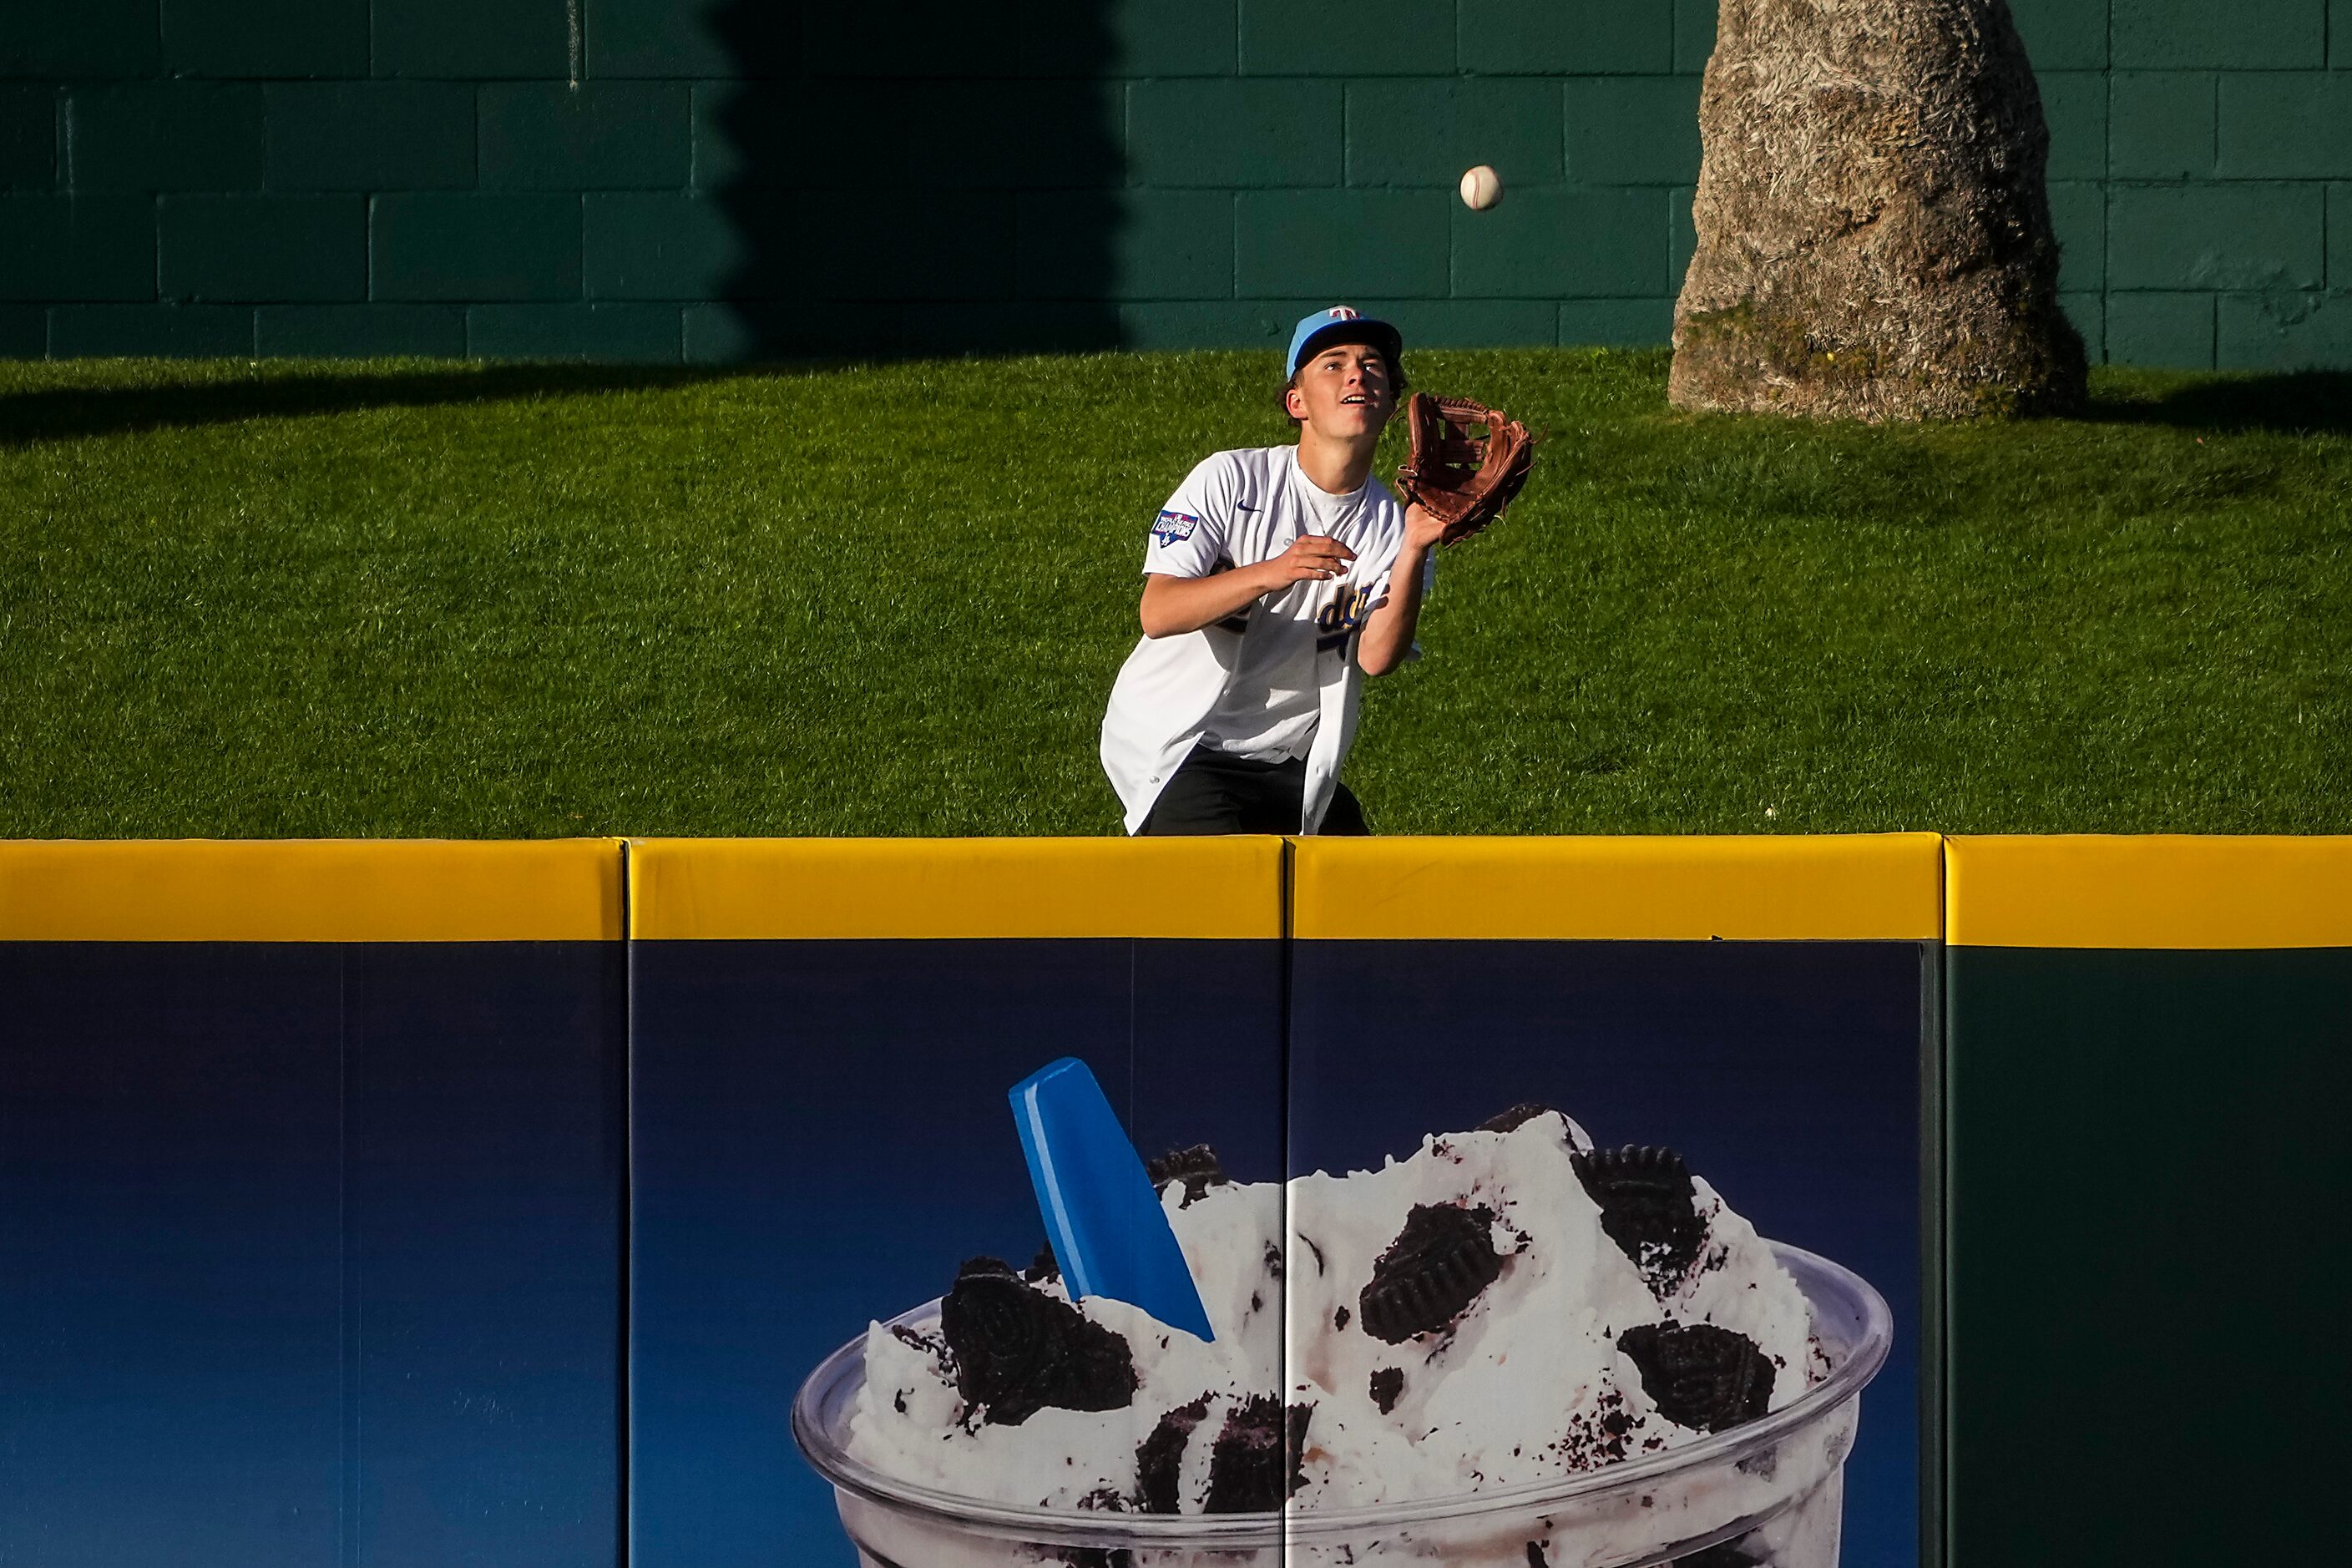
(710, 180)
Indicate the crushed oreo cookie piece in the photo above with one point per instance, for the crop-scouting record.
(1700, 1376)
(1387, 1384)
(1197, 1167)
(1535, 1558)
(1648, 1206)
(1724, 1555)
(1159, 1459)
(1430, 1273)
(1018, 1350)
(1519, 1116)
(1255, 1466)
(1043, 1266)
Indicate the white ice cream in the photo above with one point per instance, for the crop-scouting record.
(1527, 1385)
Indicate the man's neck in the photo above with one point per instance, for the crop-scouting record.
(1336, 468)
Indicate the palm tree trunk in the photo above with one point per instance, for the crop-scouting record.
(1873, 219)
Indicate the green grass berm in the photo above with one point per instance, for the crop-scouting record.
(405, 598)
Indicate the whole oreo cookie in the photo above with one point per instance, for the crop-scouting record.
(1254, 1467)
(1648, 1206)
(1159, 1459)
(1197, 1167)
(1018, 1350)
(1430, 1273)
(1700, 1376)
(1519, 1116)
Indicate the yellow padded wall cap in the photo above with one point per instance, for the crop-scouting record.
(840, 889)
(2161, 891)
(310, 890)
(1874, 887)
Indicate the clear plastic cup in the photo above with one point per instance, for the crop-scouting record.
(1766, 1493)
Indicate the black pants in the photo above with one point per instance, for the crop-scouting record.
(1214, 793)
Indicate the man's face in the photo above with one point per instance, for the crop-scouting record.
(1344, 392)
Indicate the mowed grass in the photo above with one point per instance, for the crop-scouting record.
(425, 599)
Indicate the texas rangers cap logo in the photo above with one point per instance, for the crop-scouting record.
(1342, 324)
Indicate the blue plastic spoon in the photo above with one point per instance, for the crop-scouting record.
(1104, 1221)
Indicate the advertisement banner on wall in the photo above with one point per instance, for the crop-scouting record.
(1543, 1204)
(1726, 1203)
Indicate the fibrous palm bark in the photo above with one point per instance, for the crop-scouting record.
(1874, 220)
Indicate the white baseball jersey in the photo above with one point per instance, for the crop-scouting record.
(1276, 679)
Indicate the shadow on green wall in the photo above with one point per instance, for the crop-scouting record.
(2311, 402)
(915, 177)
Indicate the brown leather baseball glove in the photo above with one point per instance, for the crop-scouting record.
(1463, 480)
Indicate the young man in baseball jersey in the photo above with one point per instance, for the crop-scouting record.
(1276, 578)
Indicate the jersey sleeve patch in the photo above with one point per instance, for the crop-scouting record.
(1174, 527)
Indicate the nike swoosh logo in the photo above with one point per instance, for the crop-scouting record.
(1244, 506)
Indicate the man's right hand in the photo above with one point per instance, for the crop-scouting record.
(1172, 605)
(1311, 558)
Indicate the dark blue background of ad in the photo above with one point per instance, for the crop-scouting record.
(819, 1134)
(310, 1253)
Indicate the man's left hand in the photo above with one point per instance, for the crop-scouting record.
(1422, 528)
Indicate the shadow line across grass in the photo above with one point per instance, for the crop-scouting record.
(2295, 402)
(2298, 402)
(78, 412)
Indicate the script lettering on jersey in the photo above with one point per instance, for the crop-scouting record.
(1174, 527)
(1343, 615)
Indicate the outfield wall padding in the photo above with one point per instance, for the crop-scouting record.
(824, 1033)
(1762, 1005)
(310, 1202)
(376, 1203)
(2150, 1050)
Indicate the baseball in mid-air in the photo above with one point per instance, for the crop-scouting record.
(1481, 187)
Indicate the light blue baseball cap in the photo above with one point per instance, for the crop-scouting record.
(1342, 324)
